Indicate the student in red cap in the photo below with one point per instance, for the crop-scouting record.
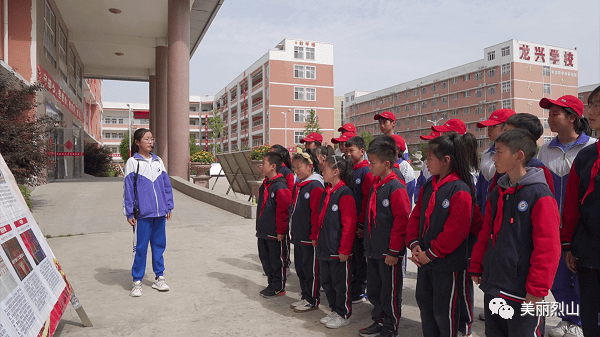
(408, 173)
(487, 170)
(387, 122)
(341, 141)
(312, 141)
(566, 119)
(581, 224)
(348, 127)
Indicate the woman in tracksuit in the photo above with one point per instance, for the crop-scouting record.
(145, 172)
(304, 214)
(580, 232)
(565, 118)
(437, 232)
(334, 238)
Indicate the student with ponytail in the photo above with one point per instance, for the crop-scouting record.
(334, 237)
(304, 215)
(437, 232)
(286, 166)
(566, 119)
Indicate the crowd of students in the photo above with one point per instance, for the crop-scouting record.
(494, 222)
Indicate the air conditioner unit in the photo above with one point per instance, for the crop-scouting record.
(436, 110)
(481, 136)
(481, 102)
(436, 95)
(482, 118)
(480, 85)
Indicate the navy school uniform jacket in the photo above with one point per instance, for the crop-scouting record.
(290, 179)
(518, 248)
(337, 222)
(387, 216)
(580, 232)
(273, 208)
(362, 179)
(304, 210)
(444, 237)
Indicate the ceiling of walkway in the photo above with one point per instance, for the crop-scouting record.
(99, 35)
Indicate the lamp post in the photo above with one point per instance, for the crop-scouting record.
(285, 129)
(130, 128)
(435, 123)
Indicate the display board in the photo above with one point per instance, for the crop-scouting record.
(34, 291)
(238, 171)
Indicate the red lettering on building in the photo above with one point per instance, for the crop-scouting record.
(568, 59)
(539, 53)
(554, 56)
(524, 52)
(49, 83)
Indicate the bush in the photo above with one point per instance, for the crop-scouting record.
(96, 160)
(258, 152)
(202, 157)
(26, 195)
(124, 147)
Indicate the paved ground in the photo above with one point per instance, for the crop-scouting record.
(212, 268)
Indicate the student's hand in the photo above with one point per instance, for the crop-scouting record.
(413, 256)
(390, 260)
(476, 279)
(533, 299)
(360, 233)
(168, 216)
(423, 259)
(132, 221)
(570, 261)
(280, 237)
(343, 258)
(314, 242)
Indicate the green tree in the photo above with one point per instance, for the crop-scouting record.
(367, 136)
(23, 134)
(96, 160)
(193, 146)
(124, 147)
(312, 123)
(217, 125)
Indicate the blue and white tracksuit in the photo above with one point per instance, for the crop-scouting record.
(558, 158)
(487, 170)
(409, 179)
(424, 177)
(155, 200)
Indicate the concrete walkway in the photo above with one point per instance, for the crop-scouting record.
(212, 268)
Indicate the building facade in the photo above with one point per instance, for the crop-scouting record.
(270, 101)
(513, 74)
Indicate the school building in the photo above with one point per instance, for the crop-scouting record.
(514, 74)
(116, 119)
(270, 101)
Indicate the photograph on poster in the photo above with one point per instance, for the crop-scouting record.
(17, 257)
(33, 246)
(7, 281)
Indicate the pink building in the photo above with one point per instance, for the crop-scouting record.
(513, 74)
(271, 100)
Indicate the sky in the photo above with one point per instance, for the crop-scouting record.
(381, 43)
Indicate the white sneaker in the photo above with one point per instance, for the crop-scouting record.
(337, 322)
(136, 290)
(306, 307)
(328, 318)
(160, 284)
(297, 304)
(559, 330)
(574, 331)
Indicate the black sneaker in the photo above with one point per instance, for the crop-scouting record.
(372, 330)
(270, 293)
(388, 333)
(359, 299)
(264, 290)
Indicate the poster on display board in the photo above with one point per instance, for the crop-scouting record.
(34, 291)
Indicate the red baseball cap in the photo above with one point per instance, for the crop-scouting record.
(400, 143)
(454, 124)
(566, 101)
(497, 117)
(386, 115)
(432, 135)
(348, 127)
(343, 138)
(313, 137)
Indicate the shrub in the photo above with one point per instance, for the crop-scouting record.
(203, 157)
(26, 195)
(96, 160)
(258, 152)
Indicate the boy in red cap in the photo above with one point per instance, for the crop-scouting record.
(341, 141)
(312, 141)
(408, 173)
(387, 122)
(348, 127)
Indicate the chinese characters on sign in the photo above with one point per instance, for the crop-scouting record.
(550, 309)
(524, 52)
(540, 55)
(53, 87)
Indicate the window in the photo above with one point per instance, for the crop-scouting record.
(424, 90)
(407, 107)
(407, 121)
(416, 92)
(505, 51)
(547, 89)
(478, 128)
(423, 104)
(120, 121)
(444, 84)
(468, 125)
(480, 143)
(50, 34)
(298, 71)
(506, 68)
(454, 96)
(115, 136)
(397, 97)
(114, 121)
(415, 120)
(467, 93)
(434, 102)
(580, 96)
(478, 110)
(492, 72)
(505, 86)
(433, 117)
(415, 134)
(415, 106)
(423, 119)
(398, 110)
(444, 115)
(298, 52)
(406, 94)
(444, 100)
(467, 110)
(466, 77)
(478, 76)
(298, 93)
(455, 112)
(107, 120)
(311, 94)
(79, 82)
(455, 80)
(391, 99)
(193, 108)
(478, 93)
(492, 90)
(545, 123)
(506, 104)
(433, 87)
(298, 135)
(62, 54)
(382, 101)
(71, 70)
(546, 71)
(376, 102)
(299, 115)
(310, 53)
(492, 107)
(491, 55)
